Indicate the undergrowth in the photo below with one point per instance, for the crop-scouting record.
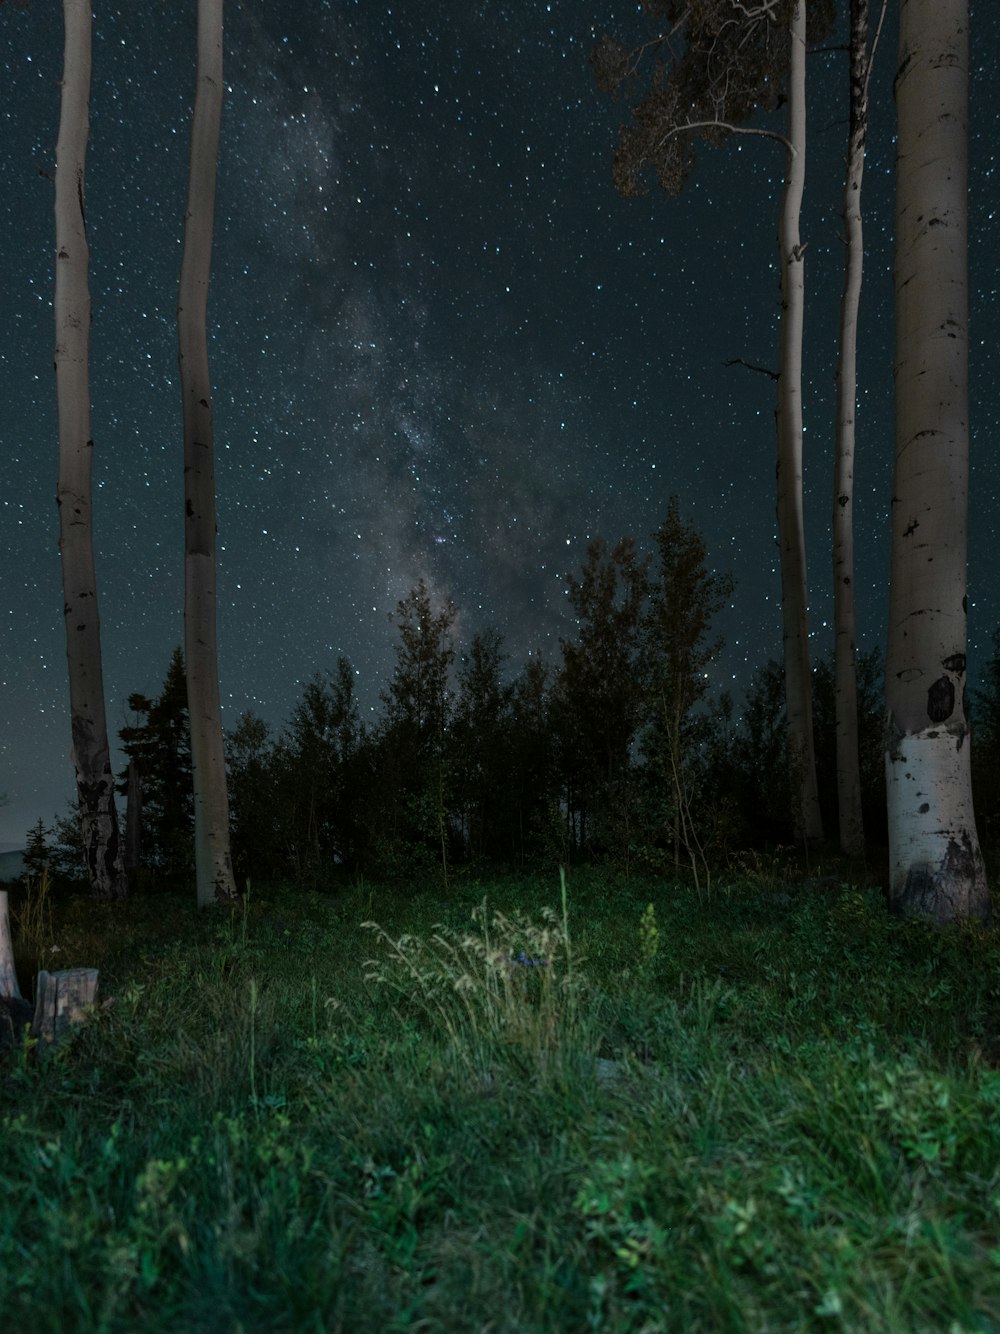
(508, 1109)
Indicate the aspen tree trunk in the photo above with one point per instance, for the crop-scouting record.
(213, 864)
(91, 755)
(9, 990)
(936, 867)
(806, 816)
(133, 818)
(852, 835)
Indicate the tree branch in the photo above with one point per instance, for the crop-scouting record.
(730, 128)
(761, 370)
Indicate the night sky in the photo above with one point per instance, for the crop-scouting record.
(441, 345)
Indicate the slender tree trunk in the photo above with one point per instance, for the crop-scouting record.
(9, 990)
(91, 755)
(936, 867)
(807, 820)
(213, 863)
(852, 836)
(133, 818)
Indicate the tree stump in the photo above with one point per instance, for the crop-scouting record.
(61, 1001)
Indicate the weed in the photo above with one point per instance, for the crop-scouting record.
(33, 919)
(302, 1124)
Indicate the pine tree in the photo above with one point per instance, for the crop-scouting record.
(261, 818)
(985, 729)
(158, 742)
(684, 599)
(316, 762)
(37, 853)
(414, 774)
(480, 745)
(533, 772)
(598, 698)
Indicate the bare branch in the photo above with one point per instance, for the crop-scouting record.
(729, 128)
(764, 10)
(871, 54)
(761, 370)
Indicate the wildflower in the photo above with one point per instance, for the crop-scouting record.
(525, 962)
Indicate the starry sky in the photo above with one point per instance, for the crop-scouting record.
(442, 346)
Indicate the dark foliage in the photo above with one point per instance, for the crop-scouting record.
(700, 74)
(158, 742)
(37, 854)
(471, 765)
(984, 715)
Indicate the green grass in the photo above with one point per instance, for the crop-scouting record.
(773, 1110)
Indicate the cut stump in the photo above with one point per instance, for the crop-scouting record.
(61, 1001)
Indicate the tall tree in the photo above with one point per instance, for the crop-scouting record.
(849, 810)
(413, 743)
(37, 853)
(322, 740)
(259, 834)
(807, 820)
(684, 598)
(532, 778)
(213, 862)
(936, 866)
(734, 59)
(158, 746)
(481, 737)
(91, 755)
(599, 694)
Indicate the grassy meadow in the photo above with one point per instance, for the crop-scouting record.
(635, 1108)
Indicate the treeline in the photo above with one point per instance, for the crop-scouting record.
(614, 751)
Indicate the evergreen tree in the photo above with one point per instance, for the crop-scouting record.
(533, 771)
(37, 853)
(159, 743)
(67, 855)
(985, 728)
(599, 695)
(480, 746)
(317, 757)
(259, 841)
(411, 818)
(684, 599)
(759, 755)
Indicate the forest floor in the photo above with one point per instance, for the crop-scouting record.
(769, 1108)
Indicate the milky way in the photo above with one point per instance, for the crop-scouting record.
(442, 346)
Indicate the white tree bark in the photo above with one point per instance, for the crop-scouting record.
(791, 531)
(91, 756)
(851, 825)
(9, 990)
(213, 863)
(936, 867)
